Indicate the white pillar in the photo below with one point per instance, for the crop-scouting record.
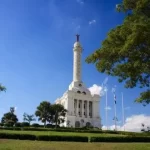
(82, 108)
(92, 110)
(87, 109)
(77, 112)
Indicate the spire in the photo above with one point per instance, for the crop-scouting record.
(77, 37)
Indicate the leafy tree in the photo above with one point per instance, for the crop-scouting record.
(58, 113)
(43, 112)
(2, 88)
(145, 128)
(125, 52)
(28, 118)
(10, 117)
(68, 123)
(12, 110)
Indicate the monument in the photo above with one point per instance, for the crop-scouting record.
(82, 106)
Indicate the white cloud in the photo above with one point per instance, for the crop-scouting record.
(132, 123)
(108, 108)
(92, 22)
(96, 89)
(80, 2)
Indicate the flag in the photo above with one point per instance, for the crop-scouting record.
(115, 98)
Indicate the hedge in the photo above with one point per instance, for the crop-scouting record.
(81, 130)
(35, 125)
(120, 139)
(62, 138)
(25, 124)
(73, 138)
(43, 137)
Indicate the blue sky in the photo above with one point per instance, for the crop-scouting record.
(36, 41)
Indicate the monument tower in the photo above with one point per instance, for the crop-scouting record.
(82, 106)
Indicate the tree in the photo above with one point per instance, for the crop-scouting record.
(28, 118)
(2, 88)
(58, 113)
(125, 52)
(43, 112)
(144, 128)
(12, 110)
(68, 123)
(10, 117)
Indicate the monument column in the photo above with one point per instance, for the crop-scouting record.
(77, 60)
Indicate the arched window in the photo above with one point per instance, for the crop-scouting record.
(78, 92)
(84, 93)
(80, 85)
(88, 124)
(77, 124)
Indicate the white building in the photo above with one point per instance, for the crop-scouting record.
(82, 107)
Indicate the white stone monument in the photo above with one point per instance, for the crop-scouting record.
(82, 106)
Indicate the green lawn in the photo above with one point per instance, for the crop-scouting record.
(38, 145)
(60, 133)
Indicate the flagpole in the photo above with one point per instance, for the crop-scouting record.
(106, 112)
(115, 118)
(123, 112)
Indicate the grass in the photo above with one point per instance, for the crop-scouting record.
(38, 145)
(60, 133)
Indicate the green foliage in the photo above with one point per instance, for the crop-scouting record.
(17, 136)
(9, 119)
(18, 124)
(50, 113)
(28, 118)
(9, 124)
(35, 125)
(144, 97)
(49, 126)
(2, 88)
(125, 52)
(120, 139)
(43, 112)
(43, 137)
(22, 136)
(74, 130)
(1, 124)
(25, 124)
(58, 113)
(12, 110)
(64, 138)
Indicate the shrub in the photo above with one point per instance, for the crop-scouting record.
(35, 125)
(18, 124)
(43, 137)
(120, 139)
(25, 124)
(9, 124)
(49, 126)
(1, 124)
(9, 136)
(27, 137)
(62, 138)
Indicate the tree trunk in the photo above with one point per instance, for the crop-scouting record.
(44, 124)
(56, 121)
